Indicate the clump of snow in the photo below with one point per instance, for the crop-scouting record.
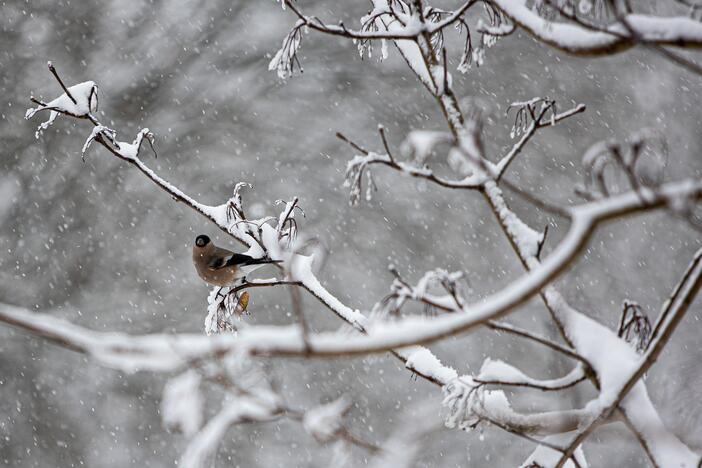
(419, 143)
(325, 422)
(85, 95)
(285, 59)
(182, 403)
(98, 130)
(423, 361)
(495, 370)
(526, 239)
(459, 395)
(213, 317)
(546, 456)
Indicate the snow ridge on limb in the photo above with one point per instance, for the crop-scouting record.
(576, 39)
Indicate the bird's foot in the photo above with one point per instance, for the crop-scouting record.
(219, 293)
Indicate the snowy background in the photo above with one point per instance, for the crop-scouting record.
(95, 243)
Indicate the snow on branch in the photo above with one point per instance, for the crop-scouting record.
(77, 101)
(578, 39)
(237, 410)
(384, 11)
(182, 403)
(156, 351)
(417, 33)
(360, 165)
(284, 61)
(548, 453)
(497, 372)
(261, 239)
(326, 422)
(468, 404)
(663, 447)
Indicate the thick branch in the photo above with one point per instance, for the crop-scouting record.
(576, 39)
(682, 298)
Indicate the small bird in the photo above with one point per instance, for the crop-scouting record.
(222, 267)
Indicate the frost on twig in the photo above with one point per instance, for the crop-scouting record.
(285, 60)
(223, 308)
(460, 397)
(641, 159)
(531, 112)
(497, 26)
(369, 24)
(356, 169)
(451, 297)
(468, 403)
(125, 150)
(577, 10)
(99, 130)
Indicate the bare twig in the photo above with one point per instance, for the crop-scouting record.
(60, 81)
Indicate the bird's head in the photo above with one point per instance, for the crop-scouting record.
(202, 241)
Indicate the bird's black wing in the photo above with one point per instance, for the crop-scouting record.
(241, 259)
(236, 259)
(217, 263)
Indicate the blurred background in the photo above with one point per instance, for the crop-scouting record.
(96, 243)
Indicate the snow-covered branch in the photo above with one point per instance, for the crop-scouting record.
(577, 39)
(497, 372)
(409, 31)
(380, 337)
(468, 404)
(663, 450)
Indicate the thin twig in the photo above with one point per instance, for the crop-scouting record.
(60, 81)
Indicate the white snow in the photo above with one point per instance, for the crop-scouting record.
(419, 143)
(526, 239)
(205, 442)
(182, 403)
(495, 370)
(85, 95)
(578, 39)
(547, 457)
(423, 361)
(326, 421)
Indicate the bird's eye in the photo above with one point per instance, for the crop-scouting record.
(202, 241)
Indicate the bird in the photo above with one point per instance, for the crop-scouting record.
(222, 267)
